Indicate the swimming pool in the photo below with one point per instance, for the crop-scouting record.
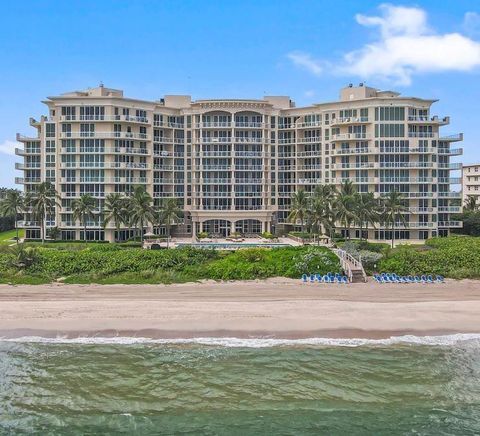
(231, 245)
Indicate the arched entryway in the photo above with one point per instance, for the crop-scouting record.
(248, 226)
(217, 227)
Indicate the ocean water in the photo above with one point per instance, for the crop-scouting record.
(408, 386)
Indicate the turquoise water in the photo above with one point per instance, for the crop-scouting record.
(158, 388)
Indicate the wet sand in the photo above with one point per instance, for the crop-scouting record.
(277, 308)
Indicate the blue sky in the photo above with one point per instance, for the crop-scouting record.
(305, 49)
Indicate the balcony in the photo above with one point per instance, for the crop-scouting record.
(407, 180)
(22, 138)
(422, 135)
(215, 125)
(309, 124)
(251, 154)
(24, 224)
(450, 180)
(452, 138)
(27, 166)
(450, 194)
(406, 165)
(450, 166)
(427, 120)
(349, 120)
(451, 152)
(26, 151)
(248, 125)
(26, 180)
(306, 154)
(106, 135)
(213, 181)
(309, 140)
(348, 136)
(353, 166)
(452, 224)
(309, 181)
(348, 151)
(416, 194)
(115, 118)
(450, 209)
(421, 209)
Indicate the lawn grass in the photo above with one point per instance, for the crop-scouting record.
(6, 237)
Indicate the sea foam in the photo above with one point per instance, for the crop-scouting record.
(442, 340)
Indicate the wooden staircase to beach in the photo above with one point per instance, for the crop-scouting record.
(353, 267)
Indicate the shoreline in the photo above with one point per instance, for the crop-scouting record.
(263, 309)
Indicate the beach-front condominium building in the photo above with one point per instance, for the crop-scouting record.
(233, 164)
(471, 181)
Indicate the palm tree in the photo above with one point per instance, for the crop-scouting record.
(366, 209)
(83, 210)
(471, 204)
(393, 210)
(11, 205)
(43, 200)
(299, 208)
(345, 206)
(169, 214)
(114, 210)
(140, 208)
(322, 213)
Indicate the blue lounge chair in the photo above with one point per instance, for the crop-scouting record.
(345, 280)
(318, 278)
(312, 278)
(410, 279)
(416, 279)
(429, 279)
(424, 278)
(304, 278)
(376, 277)
(440, 279)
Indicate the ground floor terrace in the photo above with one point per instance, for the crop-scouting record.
(223, 228)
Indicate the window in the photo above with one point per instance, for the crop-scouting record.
(50, 130)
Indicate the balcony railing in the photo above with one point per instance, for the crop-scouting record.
(449, 209)
(451, 180)
(450, 194)
(422, 135)
(350, 120)
(456, 224)
(452, 138)
(451, 152)
(348, 136)
(126, 118)
(346, 151)
(23, 138)
(309, 181)
(106, 135)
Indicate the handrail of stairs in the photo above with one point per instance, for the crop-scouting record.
(346, 260)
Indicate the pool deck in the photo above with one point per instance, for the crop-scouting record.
(223, 243)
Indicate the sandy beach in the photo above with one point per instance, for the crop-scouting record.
(278, 308)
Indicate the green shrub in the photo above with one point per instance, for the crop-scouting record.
(267, 235)
(202, 235)
(455, 257)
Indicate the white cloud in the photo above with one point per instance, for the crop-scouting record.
(309, 93)
(8, 147)
(305, 61)
(405, 46)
